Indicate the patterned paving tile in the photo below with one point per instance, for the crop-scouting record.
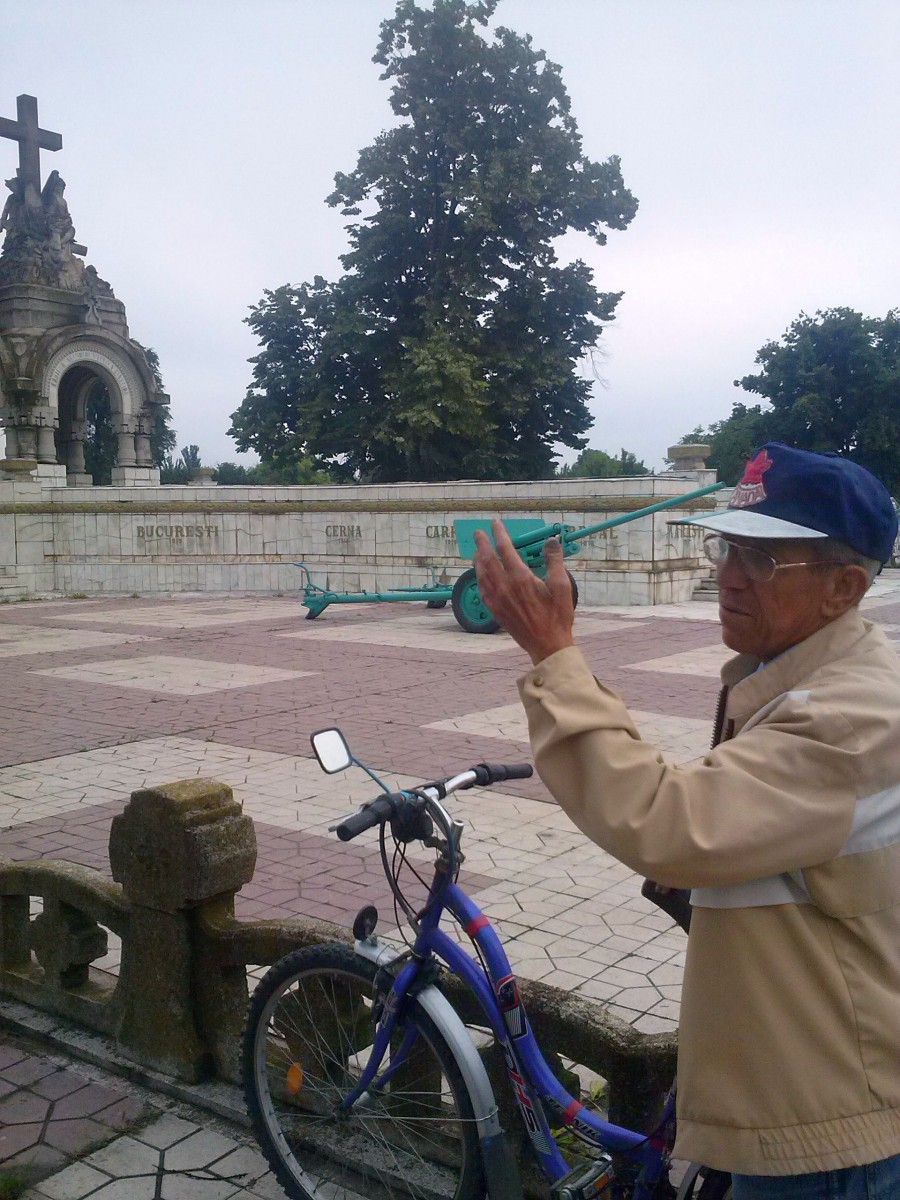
(194, 614)
(16, 640)
(682, 739)
(167, 673)
(706, 660)
(440, 633)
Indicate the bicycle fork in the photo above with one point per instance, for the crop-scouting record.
(501, 1170)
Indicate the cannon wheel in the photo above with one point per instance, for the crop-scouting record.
(471, 612)
(574, 589)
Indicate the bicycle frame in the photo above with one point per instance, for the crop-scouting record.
(534, 1084)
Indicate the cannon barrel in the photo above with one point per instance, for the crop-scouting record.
(574, 535)
(537, 537)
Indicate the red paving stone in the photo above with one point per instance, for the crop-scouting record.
(53, 1114)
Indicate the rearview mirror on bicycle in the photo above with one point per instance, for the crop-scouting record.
(331, 749)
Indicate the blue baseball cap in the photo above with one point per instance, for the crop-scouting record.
(790, 493)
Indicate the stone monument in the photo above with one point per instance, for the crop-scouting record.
(61, 330)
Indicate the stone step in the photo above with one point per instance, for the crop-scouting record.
(706, 589)
(10, 588)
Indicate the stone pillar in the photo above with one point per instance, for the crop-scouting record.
(125, 456)
(27, 441)
(75, 448)
(143, 452)
(12, 441)
(76, 475)
(46, 442)
(173, 849)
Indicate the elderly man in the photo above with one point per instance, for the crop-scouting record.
(787, 832)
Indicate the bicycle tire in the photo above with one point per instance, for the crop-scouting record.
(418, 1141)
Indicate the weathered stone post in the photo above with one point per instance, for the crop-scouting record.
(173, 849)
(689, 456)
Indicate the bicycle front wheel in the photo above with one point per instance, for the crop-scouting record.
(309, 1035)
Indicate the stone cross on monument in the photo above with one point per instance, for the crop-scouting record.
(31, 138)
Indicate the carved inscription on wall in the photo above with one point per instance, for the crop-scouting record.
(193, 539)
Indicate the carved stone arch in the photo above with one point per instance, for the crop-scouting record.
(127, 394)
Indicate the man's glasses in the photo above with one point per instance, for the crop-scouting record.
(756, 564)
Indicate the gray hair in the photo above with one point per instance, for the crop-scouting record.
(831, 549)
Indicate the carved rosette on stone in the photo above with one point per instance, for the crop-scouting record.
(174, 849)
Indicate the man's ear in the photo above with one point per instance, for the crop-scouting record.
(845, 588)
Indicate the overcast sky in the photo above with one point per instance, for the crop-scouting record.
(200, 138)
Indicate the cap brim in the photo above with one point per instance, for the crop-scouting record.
(746, 523)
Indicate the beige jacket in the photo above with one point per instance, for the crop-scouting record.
(789, 834)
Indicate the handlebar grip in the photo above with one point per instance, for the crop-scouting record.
(499, 772)
(382, 808)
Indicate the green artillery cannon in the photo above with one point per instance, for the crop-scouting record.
(528, 536)
(316, 599)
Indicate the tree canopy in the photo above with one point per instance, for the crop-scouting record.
(597, 464)
(832, 383)
(450, 346)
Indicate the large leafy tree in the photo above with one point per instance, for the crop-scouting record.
(832, 383)
(451, 345)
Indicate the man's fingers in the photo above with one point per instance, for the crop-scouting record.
(506, 551)
(557, 577)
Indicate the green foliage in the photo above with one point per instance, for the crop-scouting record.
(11, 1185)
(597, 464)
(100, 444)
(450, 346)
(732, 441)
(178, 470)
(304, 470)
(831, 383)
(834, 384)
(162, 436)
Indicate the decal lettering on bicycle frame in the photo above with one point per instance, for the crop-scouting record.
(526, 1106)
(584, 1132)
(510, 1005)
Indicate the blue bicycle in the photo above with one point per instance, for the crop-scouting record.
(363, 1081)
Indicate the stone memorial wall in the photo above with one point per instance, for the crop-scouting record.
(120, 540)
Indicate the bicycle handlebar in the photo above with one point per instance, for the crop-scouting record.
(499, 772)
(382, 808)
(386, 806)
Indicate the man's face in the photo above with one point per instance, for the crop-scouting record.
(765, 619)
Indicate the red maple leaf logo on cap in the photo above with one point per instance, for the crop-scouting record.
(756, 467)
(751, 489)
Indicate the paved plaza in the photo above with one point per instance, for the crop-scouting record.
(101, 696)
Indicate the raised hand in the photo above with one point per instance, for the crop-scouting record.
(537, 613)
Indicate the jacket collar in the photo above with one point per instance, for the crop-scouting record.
(751, 687)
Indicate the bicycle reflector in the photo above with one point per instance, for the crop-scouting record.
(294, 1078)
